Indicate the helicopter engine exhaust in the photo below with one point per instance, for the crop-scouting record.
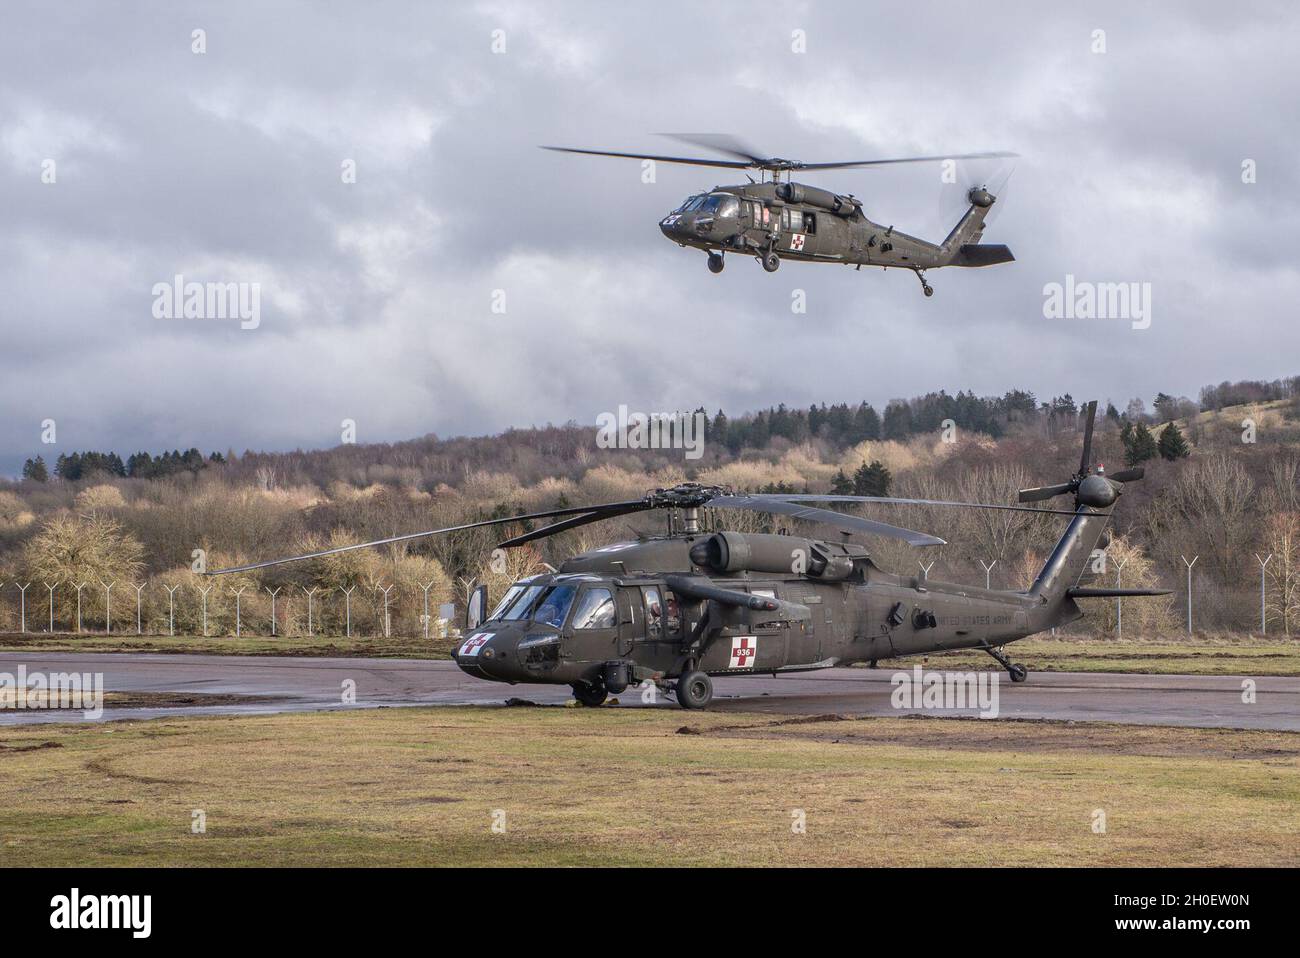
(725, 552)
(799, 193)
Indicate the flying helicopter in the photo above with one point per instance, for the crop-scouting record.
(679, 608)
(780, 219)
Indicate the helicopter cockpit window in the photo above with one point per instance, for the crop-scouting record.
(692, 204)
(654, 613)
(596, 610)
(547, 604)
(553, 605)
(721, 204)
(507, 600)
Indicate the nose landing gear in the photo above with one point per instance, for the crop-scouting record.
(716, 263)
(694, 690)
(589, 695)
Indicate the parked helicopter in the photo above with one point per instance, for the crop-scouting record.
(784, 219)
(679, 608)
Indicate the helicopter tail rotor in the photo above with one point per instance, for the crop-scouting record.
(1090, 487)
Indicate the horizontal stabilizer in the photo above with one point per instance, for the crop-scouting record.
(1114, 593)
(982, 254)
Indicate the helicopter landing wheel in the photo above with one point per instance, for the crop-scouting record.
(925, 287)
(1017, 671)
(771, 262)
(694, 690)
(716, 263)
(589, 695)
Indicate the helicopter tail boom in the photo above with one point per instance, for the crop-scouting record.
(962, 247)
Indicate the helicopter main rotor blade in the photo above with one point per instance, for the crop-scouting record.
(1039, 493)
(840, 520)
(890, 500)
(904, 159)
(1128, 475)
(598, 513)
(689, 161)
(721, 142)
(419, 535)
(1085, 459)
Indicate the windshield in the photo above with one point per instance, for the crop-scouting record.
(506, 601)
(724, 204)
(548, 604)
(692, 203)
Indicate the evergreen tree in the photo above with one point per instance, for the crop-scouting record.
(898, 420)
(1172, 445)
(718, 430)
(872, 479)
(34, 469)
(1141, 445)
(841, 485)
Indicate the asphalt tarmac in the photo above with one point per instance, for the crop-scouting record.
(275, 684)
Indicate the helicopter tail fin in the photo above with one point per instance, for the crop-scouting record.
(1056, 581)
(963, 247)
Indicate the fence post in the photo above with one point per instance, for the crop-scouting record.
(1189, 589)
(51, 588)
(1263, 618)
(79, 588)
(426, 589)
(388, 630)
(310, 596)
(22, 606)
(273, 595)
(205, 607)
(1119, 600)
(237, 595)
(171, 608)
(347, 602)
(108, 605)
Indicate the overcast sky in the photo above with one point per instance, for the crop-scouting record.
(376, 296)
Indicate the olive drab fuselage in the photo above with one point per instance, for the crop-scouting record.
(630, 607)
(814, 225)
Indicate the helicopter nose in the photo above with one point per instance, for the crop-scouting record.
(673, 225)
(488, 655)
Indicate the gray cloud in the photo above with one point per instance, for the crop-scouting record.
(376, 295)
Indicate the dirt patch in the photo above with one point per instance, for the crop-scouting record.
(14, 749)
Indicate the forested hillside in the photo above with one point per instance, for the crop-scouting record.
(1223, 484)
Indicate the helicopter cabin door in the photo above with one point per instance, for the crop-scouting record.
(796, 237)
(772, 640)
(760, 220)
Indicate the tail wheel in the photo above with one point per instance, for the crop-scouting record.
(694, 690)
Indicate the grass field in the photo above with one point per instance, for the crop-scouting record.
(1227, 655)
(642, 787)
